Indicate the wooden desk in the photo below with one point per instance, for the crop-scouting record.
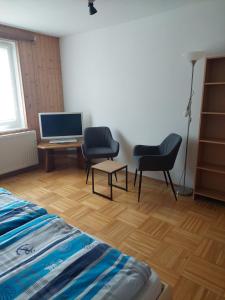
(48, 150)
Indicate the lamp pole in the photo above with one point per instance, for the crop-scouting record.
(183, 190)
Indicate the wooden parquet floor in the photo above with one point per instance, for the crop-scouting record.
(183, 241)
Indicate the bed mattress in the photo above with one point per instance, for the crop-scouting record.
(44, 257)
(152, 288)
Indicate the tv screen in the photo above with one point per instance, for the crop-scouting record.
(60, 125)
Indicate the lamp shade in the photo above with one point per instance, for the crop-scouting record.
(194, 55)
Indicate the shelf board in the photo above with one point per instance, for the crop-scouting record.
(215, 83)
(210, 193)
(212, 168)
(213, 113)
(212, 141)
(211, 57)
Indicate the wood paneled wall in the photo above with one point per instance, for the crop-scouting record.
(11, 33)
(41, 77)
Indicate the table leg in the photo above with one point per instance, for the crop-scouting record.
(93, 181)
(110, 181)
(110, 185)
(126, 180)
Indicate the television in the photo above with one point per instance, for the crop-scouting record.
(60, 126)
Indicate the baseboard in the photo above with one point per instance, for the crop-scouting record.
(20, 171)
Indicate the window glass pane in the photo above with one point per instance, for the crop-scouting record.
(7, 95)
(11, 100)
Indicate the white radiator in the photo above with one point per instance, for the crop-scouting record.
(18, 151)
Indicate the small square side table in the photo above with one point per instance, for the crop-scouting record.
(109, 167)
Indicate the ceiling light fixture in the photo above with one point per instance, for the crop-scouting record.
(92, 9)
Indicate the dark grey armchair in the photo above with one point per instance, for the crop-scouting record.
(157, 158)
(98, 143)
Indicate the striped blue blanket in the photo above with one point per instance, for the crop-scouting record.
(45, 258)
(15, 212)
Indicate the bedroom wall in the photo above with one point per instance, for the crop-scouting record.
(134, 79)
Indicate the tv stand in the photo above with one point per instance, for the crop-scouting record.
(63, 141)
(48, 149)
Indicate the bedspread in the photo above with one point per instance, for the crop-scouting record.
(15, 212)
(45, 258)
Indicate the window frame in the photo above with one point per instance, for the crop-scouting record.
(15, 73)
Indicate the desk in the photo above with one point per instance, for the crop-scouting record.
(48, 150)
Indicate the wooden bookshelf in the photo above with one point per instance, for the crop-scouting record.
(210, 171)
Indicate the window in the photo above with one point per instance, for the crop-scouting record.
(12, 115)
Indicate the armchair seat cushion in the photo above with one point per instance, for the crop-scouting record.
(140, 150)
(99, 152)
(158, 158)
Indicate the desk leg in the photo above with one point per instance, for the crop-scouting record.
(49, 161)
(80, 159)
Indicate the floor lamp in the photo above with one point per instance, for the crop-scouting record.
(192, 57)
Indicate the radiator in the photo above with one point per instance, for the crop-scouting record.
(18, 151)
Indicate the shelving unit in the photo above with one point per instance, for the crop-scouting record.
(210, 171)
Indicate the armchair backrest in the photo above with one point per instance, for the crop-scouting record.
(170, 146)
(97, 137)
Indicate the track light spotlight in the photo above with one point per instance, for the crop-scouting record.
(92, 9)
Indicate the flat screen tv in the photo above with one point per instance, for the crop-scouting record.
(60, 125)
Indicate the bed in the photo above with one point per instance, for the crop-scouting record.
(44, 257)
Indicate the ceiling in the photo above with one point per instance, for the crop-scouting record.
(65, 17)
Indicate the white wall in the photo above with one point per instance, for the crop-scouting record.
(133, 78)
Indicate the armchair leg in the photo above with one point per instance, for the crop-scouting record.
(139, 189)
(172, 186)
(88, 171)
(115, 176)
(165, 177)
(135, 177)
